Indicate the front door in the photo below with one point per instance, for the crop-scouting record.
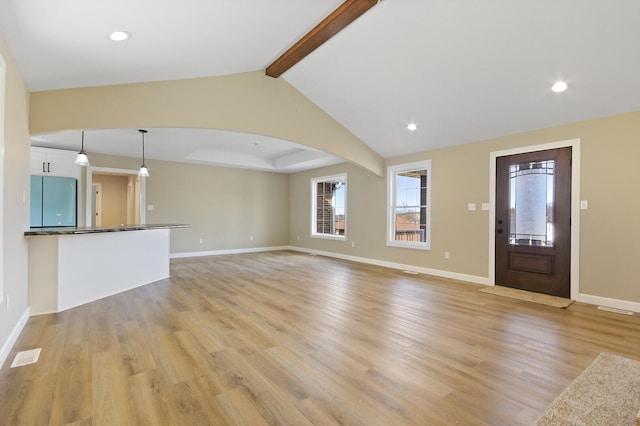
(533, 221)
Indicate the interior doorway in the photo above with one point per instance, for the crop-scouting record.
(117, 199)
(114, 197)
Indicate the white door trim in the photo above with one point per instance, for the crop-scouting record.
(98, 204)
(575, 206)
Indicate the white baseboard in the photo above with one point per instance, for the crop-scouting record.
(13, 337)
(584, 298)
(221, 252)
(427, 271)
(609, 303)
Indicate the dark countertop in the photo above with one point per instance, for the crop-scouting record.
(68, 230)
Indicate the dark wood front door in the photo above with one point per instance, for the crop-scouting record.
(533, 221)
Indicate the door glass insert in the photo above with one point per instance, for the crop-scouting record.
(531, 201)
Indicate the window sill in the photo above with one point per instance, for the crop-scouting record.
(414, 246)
(330, 237)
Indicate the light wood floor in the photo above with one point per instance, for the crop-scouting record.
(292, 339)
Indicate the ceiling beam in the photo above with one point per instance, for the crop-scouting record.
(345, 14)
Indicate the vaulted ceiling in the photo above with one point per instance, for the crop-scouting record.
(462, 70)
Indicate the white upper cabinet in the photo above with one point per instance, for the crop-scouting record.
(54, 162)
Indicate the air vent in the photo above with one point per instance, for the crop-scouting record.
(615, 310)
(26, 358)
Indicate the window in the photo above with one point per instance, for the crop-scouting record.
(328, 207)
(409, 201)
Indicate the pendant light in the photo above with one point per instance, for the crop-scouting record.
(82, 159)
(143, 169)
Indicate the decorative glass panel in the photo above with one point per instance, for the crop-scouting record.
(531, 202)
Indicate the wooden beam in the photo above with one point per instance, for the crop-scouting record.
(345, 14)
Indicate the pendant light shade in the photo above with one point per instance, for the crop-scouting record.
(81, 159)
(143, 169)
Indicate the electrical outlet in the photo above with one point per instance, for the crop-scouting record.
(446, 255)
(353, 243)
(251, 238)
(201, 240)
(298, 237)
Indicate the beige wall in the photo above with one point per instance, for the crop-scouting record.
(15, 207)
(248, 102)
(609, 231)
(224, 206)
(115, 190)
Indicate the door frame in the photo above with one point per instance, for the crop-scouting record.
(97, 205)
(89, 183)
(575, 206)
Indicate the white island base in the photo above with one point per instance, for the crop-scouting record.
(66, 271)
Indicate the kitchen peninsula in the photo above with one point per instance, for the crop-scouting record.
(71, 266)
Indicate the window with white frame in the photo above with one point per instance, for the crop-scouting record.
(329, 207)
(409, 205)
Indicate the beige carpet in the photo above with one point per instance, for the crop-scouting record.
(606, 393)
(543, 299)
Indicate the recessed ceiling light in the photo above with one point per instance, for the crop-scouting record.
(120, 36)
(412, 126)
(559, 86)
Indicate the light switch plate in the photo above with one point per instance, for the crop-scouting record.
(485, 206)
(471, 206)
(150, 207)
(584, 204)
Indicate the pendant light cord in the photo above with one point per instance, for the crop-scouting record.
(143, 169)
(142, 132)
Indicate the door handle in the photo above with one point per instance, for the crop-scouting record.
(43, 169)
(499, 231)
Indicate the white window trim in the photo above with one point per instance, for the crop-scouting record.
(314, 181)
(392, 171)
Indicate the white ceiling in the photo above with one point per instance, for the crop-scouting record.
(463, 70)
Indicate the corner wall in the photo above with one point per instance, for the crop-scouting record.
(15, 204)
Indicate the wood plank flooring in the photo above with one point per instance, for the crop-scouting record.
(285, 338)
